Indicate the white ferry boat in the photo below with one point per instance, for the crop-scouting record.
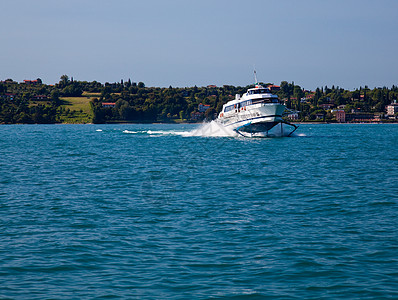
(254, 113)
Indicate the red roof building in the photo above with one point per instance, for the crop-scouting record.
(274, 88)
(30, 81)
(340, 116)
(203, 107)
(196, 115)
(108, 104)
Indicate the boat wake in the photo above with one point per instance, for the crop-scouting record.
(208, 129)
(211, 129)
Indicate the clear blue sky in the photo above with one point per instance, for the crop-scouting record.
(349, 43)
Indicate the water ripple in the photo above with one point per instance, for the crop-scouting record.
(149, 212)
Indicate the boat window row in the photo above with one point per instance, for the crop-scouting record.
(245, 103)
(250, 102)
(238, 105)
(230, 107)
(260, 91)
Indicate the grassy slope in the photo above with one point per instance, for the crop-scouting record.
(80, 110)
(88, 94)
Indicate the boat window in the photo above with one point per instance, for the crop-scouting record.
(256, 101)
(229, 108)
(259, 91)
(246, 103)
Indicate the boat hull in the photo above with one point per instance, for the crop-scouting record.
(257, 127)
(261, 118)
(265, 128)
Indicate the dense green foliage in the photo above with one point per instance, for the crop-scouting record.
(35, 102)
(311, 103)
(159, 104)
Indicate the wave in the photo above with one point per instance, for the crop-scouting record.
(129, 131)
(212, 129)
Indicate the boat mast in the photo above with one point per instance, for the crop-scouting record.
(255, 77)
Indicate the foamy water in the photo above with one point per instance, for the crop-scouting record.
(214, 129)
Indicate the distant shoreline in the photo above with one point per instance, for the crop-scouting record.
(82, 102)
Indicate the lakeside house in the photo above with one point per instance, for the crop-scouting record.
(274, 88)
(293, 116)
(359, 117)
(340, 115)
(392, 109)
(356, 117)
(308, 97)
(31, 82)
(203, 107)
(196, 115)
(108, 104)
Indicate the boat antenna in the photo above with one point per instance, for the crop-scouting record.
(255, 77)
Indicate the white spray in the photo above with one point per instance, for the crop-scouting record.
(213, 129)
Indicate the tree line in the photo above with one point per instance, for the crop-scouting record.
(35, 102)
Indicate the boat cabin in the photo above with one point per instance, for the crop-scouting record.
(256, 95)
(258, 91)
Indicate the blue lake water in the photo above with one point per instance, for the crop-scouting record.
(145, 212)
